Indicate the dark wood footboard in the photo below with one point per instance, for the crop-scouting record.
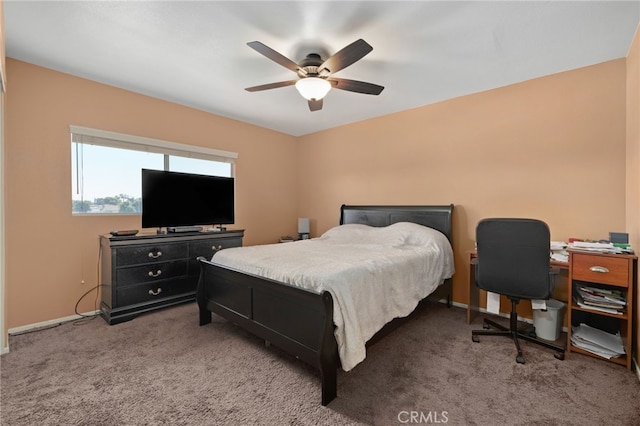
(296, 320)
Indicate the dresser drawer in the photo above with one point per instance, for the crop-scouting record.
(600, 269)
(151, 253)
(206, 248)
(151, 292)
(150, 273)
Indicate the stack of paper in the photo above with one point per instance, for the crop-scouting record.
(598, 299)
(625, 248)
(593, 246)
(559, 251)
(597, 341)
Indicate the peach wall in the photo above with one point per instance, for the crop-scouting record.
(551, 148)
(633, 161)
(48, 251)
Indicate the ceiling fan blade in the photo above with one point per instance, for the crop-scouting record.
(315, 105)
(347, 56)
(273, 55)
(356, 86)
(271, 86)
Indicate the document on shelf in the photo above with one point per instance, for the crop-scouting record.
(595, 340)
(594, 349)
(611, 301)
(581, 303)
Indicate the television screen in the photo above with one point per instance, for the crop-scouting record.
(185, 199)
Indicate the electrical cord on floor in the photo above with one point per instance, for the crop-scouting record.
(83, 317)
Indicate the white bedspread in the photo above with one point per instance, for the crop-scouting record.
(374, 274)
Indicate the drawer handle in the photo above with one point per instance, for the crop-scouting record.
(214, 248)
(155, 293)
(155, 274)
(599, 269)
(155, 256)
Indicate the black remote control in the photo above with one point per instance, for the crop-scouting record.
(124, 233)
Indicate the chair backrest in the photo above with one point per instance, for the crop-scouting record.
(513, 257)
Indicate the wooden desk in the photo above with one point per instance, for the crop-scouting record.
(619, 272)
(473, 304)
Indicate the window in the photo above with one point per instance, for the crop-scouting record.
(106, 168)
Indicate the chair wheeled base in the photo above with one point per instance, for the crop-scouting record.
(515, 334)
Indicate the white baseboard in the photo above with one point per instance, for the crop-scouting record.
(46, 324)
(501, 314)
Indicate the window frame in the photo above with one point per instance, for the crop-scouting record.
(89, 136)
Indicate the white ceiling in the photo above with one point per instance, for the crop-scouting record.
(195, 53)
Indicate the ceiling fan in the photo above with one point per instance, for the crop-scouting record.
(314, 73)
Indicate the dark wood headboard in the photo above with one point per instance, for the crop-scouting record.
(436, 217)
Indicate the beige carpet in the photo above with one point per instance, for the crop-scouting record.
(162, 368)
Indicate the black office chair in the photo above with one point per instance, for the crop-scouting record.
(513, 260)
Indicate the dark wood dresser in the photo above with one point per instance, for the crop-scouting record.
(143, 273)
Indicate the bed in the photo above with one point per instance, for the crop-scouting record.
(309, 323)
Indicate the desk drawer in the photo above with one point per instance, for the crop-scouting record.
(600, 269)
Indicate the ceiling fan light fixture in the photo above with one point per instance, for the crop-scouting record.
(313, 88)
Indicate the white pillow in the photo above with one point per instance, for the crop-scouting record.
(352, 233)
(417, 235)
(400, 233)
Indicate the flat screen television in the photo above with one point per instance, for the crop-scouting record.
(173, 199)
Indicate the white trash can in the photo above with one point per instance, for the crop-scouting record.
(548, 324)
